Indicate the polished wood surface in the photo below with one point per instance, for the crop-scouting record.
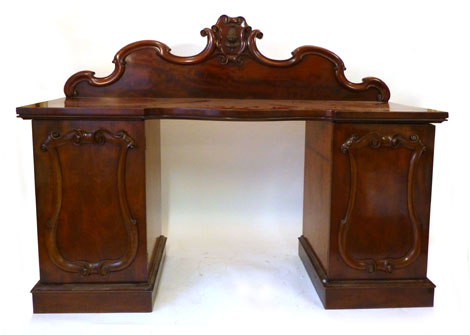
(381, 191)
(367, 198)
(370, 293)
(153, 183)
(102, 297)
(226, 109)
(317, 187)
(230, 66)
(90, 198)
(367, 180)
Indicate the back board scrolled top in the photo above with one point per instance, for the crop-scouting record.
(229, 67)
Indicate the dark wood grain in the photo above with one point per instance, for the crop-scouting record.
(381, 207)
(367, 186)
(102, 298)
(341, 294)
(228, 67)
(78, 137)
(317, 187)
(227, 110)
(378, 177)
(153, 184)
(90, 202)
(370, 181)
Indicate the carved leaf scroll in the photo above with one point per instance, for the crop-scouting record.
(376, 141)
(99, 137)
(231, 36)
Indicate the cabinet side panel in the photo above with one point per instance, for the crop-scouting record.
(153, 183)
(317, 187)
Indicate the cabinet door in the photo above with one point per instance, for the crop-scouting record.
(381, 193)
(90, 194)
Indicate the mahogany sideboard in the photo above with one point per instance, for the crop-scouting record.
(367, 182)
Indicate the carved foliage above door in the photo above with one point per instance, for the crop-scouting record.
(395, 205)
(99, 137)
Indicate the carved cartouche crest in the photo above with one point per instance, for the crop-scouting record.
(231, 35)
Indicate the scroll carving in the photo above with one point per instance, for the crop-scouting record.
(377, 141)
(98, 137)
(231, 37)
(230, 40)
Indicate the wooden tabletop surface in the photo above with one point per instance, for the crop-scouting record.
(225, 109)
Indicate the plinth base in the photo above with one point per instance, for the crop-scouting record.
(102, 298)
(338, 294)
